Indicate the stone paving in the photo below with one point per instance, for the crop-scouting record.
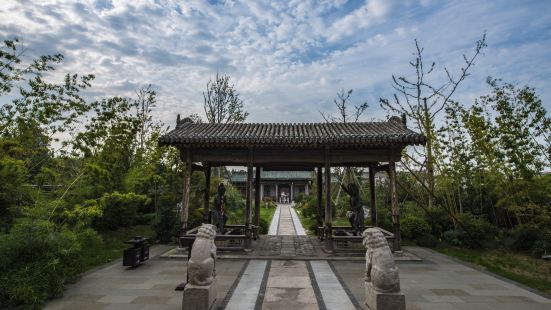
(296, 282)
(441, 282)
(149, 286)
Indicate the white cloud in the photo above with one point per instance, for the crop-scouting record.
(287, 58)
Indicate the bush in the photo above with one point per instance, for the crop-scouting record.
(522, 238)
(166, 227)
(476, 231)
(542, 247)
(439, 220)
(120, 210)
(145, 219)
(473, 232)
(426, 240)
(234, 199)
(38, 259)
(453, 237)
(264, 226)
(413, 227)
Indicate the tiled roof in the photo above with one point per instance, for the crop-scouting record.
(307, 135)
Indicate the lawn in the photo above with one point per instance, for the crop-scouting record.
(530, 271)
(237, 217)
(113, 244)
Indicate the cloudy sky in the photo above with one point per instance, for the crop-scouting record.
(287, 58)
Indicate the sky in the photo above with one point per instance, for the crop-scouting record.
(287, 59)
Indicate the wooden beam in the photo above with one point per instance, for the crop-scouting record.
(328, 215)
(394, 206)
(257, 200)
(185, 196)
(319, 181)
(206, 208)
(248, 200)
(372, 194)
(297, 157)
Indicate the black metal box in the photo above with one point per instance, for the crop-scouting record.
(132, 257)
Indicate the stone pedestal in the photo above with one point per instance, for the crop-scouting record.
(199, 297)
(383, 301)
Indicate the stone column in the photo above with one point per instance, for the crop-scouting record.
(372, 194)
(292, 193)
(328, 214)
(248, 204)
(277, 194)
(320, 192)
(394, 207)
(257, 200)
(185, 196)
(207, 193)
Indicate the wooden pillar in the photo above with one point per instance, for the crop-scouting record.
(394, 206)
(257, 201)
(248, 202)
(372, 194)
(207, 194)
(185, 196)
(320, 192)
(328, 214)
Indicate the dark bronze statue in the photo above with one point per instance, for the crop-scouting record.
(219, 217)
(356, 214)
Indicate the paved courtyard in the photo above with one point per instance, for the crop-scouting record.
(301, 282)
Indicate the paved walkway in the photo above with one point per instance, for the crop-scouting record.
(437, 282)
(289, 284)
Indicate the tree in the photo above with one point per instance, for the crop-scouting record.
(222, 103)
(496, 151)
(53, 107)
(342, 105)
(422, 102)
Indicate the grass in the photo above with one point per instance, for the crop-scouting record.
(237, 217)
(113, 244)
(522, 268)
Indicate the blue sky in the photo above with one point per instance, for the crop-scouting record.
(288, 59)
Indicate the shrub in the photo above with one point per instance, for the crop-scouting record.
(473, 232)
(476, 231)
(121, 209)
(38, 259)
(439, 220)
(413, 227)
(453, 237)
(166, 227)
(522, 238)
(234, 199)
(542, 247)
(300, 197)
(264, 226)
(426, 240)
(145, 219)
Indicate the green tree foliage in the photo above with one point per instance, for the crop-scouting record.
(120, 210)
(222, 103)
(111, 173)
(422, 101)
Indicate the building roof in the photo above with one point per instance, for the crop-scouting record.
(241, 176)
(392, 133)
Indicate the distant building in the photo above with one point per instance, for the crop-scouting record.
(276, 184)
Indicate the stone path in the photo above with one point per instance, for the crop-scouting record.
(289, 284)
(437, 282)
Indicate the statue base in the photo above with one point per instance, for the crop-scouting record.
(199, 297)
(375, 300)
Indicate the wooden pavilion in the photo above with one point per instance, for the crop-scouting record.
(308, 146)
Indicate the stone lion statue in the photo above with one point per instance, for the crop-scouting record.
(380, 268)
(201, 265)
